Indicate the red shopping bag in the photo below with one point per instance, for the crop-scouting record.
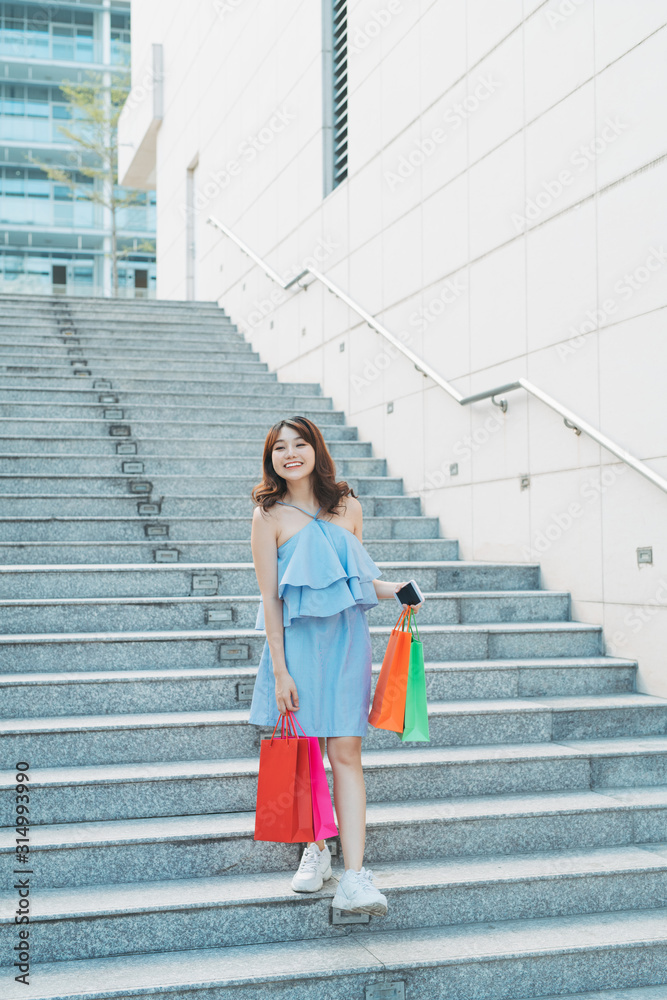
(284, 810)
(388, 710)
(323, 817)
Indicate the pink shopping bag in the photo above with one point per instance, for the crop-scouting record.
(323, 817)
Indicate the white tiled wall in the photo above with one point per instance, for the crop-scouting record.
(542, 204)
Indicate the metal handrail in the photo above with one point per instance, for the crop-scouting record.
(571, 420)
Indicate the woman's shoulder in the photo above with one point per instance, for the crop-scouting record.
(266, 519)
(351, 510)
(352, 504)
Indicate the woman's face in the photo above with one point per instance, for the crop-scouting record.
(293, 458)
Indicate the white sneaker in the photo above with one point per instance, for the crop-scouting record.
(357, 892)
(315, 868)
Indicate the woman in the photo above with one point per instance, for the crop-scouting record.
(317, 582)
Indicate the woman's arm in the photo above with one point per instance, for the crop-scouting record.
(383, 588)
(263, 540)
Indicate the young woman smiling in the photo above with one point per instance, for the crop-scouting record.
(317, 582)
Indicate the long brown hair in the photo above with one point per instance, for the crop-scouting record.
(273, 487)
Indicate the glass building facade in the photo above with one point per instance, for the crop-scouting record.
(51, 238)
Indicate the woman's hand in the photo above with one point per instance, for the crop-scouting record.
(397, 587)
(286, 693)
(387, 589)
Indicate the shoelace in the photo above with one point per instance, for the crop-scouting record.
(365, 875)
(309, 862)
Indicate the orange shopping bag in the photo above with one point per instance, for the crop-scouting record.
(388, 710)
(284, 809)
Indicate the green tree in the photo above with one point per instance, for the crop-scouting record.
(94, 109)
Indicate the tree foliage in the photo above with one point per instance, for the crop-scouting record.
(94, 109)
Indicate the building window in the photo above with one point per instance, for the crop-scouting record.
(334, 23)
(29, 198)
(120, 38)
(41, 32)
(30, 113)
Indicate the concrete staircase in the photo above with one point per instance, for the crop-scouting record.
(523, 850)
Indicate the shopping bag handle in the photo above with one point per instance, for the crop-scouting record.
(289, 720)
(295, 723)
(282, 720)
(400, 621)
(274, 730)
(413, 626)
(408, 613)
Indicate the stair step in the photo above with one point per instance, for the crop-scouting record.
(98, 328)
(227, 404)
(232, 528)
(13, 315)
(133, 614)
(90, 692)
(52, 369)
(636, 993)
(169, 736)
(140, 917)
(101, 505)
(163, 485)
(98, 319)
(186, 429)
(48, 350)
(71, 793)
(176, 387)
(511, 958)
(174, 579)
(109, 350)
(206, 648)
(220, 844)
(203, 332)
(164, 465)
(104, 444)
(60, 303)
(238, 406)
(98, 323)
(197, 549)
(54, 303)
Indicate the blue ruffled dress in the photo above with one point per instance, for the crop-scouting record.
(325, 580)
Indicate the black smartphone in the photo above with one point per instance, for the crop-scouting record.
(409, 594)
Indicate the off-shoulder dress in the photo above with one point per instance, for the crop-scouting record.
(325, 580)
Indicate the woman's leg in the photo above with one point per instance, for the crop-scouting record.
(320, 843)
(349, 796)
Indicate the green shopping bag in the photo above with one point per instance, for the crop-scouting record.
(415, 726)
